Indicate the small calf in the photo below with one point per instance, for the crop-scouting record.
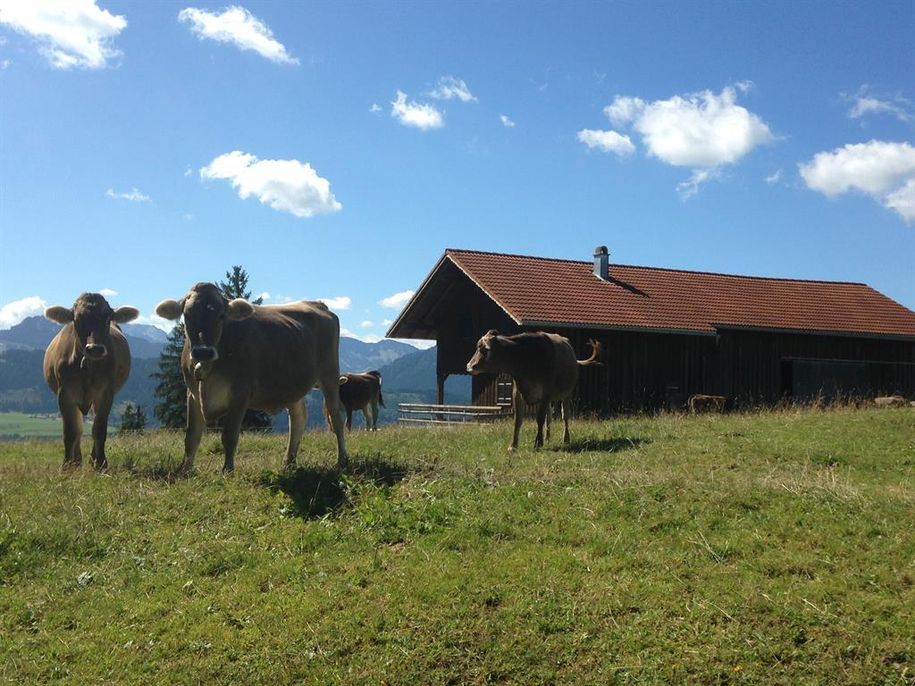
(706, 403)
(890, 401)
(361, 392)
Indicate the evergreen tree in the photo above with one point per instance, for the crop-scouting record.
(236, 286)
(133, 419)
(171, 410)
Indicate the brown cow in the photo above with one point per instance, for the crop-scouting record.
(543, 366)
(361, 392)
(86, 363)
(238, 356)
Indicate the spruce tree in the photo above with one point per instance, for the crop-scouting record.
(133, 418)
(171, 410)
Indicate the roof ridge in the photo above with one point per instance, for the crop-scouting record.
(664, 269)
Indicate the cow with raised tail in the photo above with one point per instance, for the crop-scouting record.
(86, 363)
(238, 356)
(543, 367)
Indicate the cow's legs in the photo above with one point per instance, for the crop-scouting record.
(367, 417)
(541, 417)
(193, 432)
(566, 411)
(330, 386)
(73, 430)
(298, 415)
(375, 414)
(349, 419)
(231, 428)
(549, 420)
(519, 415)
(100, 431)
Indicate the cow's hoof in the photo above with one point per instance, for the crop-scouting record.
(512, 448)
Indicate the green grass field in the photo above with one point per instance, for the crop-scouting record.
(18, 425)
(771, 548)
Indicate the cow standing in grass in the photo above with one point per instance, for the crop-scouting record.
(86, 363)
(543, 367)
(361, 392)
(238, 356)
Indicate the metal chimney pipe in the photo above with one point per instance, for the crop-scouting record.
(602, 263)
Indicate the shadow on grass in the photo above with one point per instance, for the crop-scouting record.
(316, 491)
(607, 445)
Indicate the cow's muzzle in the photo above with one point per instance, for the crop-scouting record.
(204, 353)
(95, 351)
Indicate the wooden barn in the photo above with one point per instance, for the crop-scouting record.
(668, 333)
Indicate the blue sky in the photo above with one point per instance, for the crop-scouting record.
(335, 149)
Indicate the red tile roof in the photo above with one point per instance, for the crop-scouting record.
(541, 291)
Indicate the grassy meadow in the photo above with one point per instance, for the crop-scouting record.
(762, 548)
(20, 425)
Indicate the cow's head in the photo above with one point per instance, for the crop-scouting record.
(206, 311)
(486, 358)
(91, 316)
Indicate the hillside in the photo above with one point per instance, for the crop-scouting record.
(760, 548)
(34, 333)
(23, 389)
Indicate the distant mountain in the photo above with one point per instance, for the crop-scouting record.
(34, 333)
(415, 373)
(356, 356)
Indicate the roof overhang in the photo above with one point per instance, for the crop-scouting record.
(816, 332)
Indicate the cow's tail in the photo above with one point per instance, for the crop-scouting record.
(380, 397)
(595, 353)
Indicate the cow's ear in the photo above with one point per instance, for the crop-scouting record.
(343, 380)
(240, 309)
(125, 314)
(170, 309)
(492, 332)
(61, 315)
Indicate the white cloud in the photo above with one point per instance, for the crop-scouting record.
(285, 185)
(5, 64)
(506, 121)
(865, 103)
(774, 177)
(366, 323)
(341, 302)
(414, 114)
(902, 200)
(387, 322)
(700, 129)
(264, 296)
(155, 320)
(375, 108)
(133, 195)
(885, 171)
(77, 33)
(108, 292)
(14, 312)
(367, 338)
(450, 88)
(687, 189)
(237, 26)
(703, 131)
(607, 141)
(396, 301)
(624, 110)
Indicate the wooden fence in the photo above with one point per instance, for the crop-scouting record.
(421, 413)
